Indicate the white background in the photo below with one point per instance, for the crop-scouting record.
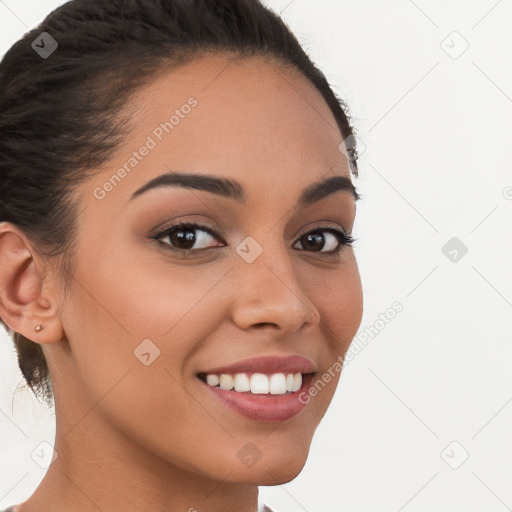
(437, 164)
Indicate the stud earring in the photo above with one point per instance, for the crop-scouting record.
(38, 328)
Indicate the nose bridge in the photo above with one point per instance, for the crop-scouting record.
(268, 287)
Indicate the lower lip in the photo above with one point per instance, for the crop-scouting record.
(264, 408)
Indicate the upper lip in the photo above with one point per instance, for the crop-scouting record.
(267, 364)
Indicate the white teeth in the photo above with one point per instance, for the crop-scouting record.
(289, 382)
(257, 383)
(226, 381)
(297, 382)
(278, 384)
(214, 380)
(242, 382)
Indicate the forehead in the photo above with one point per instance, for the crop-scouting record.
(249, 119)
(250, 112)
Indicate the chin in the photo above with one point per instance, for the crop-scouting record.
(281, 475)
(274, 469)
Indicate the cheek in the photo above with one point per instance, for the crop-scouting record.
(147, 297)
(341, 307)
(123, 308)
(339, 300)
(145, 397)
(150, 318)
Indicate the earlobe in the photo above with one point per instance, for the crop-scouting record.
(22, 306)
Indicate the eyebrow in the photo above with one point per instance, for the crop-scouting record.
(232, 189)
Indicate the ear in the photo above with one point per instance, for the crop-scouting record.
(27, 299)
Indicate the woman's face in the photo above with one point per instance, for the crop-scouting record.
(147, 320)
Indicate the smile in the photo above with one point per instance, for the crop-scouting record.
(262, 389)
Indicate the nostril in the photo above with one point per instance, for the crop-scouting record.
(264, 324)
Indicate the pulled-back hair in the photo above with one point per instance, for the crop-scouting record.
(60, 113)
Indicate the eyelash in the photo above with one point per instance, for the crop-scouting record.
(346, 239)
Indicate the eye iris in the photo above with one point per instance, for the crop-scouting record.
(312, 239)
(183, 236)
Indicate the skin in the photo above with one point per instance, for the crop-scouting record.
(134, 437)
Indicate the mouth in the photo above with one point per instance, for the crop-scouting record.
(262, 389)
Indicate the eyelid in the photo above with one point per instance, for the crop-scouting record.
(322, 227)
(210, 228)
(215, 229)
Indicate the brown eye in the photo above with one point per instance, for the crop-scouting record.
(330, 239)
(188, 237)
(183, 238)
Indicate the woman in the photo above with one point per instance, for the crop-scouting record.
(176, 266)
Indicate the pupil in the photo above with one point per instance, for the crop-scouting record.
(313, 238)
(184, 236)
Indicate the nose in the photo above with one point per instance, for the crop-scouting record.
(269, 292)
